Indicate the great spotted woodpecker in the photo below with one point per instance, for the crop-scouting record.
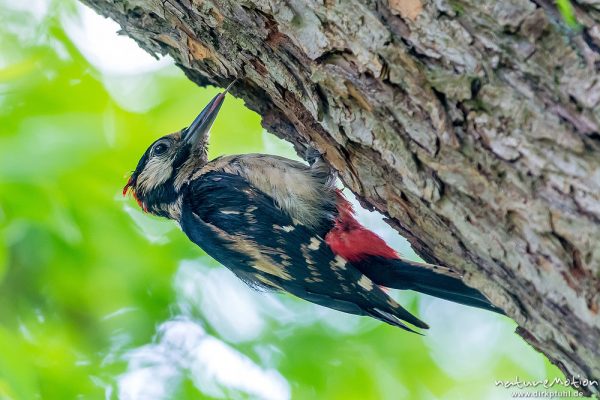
(282, 225)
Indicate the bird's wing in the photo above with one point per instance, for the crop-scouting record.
(243, 229)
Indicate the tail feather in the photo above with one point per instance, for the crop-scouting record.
(424, 278)
(394, 320)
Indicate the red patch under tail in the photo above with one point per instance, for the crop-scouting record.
(351, 240)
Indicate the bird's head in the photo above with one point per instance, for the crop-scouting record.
(169, 163)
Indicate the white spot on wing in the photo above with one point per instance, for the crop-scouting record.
(287, 228)
(340, 262)
(230, 212)
(365, 283)
(315, 243)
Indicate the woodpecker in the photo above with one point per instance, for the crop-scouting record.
(282, 225)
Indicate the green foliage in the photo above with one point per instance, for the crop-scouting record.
(568, 13)
(87, 282)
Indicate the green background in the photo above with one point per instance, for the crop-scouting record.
(100, 301)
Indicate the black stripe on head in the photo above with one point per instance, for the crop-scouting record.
(183, 153)
(141, 164)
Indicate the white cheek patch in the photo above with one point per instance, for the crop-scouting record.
(156, 172)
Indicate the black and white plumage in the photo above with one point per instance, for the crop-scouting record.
(282, 225)
(242, 227)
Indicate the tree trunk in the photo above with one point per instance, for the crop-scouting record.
(474, 125)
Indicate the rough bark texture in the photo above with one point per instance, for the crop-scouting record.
(474, 125)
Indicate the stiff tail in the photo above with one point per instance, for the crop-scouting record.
(424, 278)
(396, 320)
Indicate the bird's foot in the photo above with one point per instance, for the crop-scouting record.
(312, 155)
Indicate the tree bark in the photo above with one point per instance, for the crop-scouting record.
(474, 125)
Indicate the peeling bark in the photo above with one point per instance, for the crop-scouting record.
(474, 125)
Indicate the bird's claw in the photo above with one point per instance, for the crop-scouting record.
(312, 155)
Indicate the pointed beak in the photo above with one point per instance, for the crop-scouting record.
(200, 128)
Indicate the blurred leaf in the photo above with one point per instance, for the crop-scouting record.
(3, 255)
(17, 376)
(568, 13)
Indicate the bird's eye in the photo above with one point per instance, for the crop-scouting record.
(160, 148)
